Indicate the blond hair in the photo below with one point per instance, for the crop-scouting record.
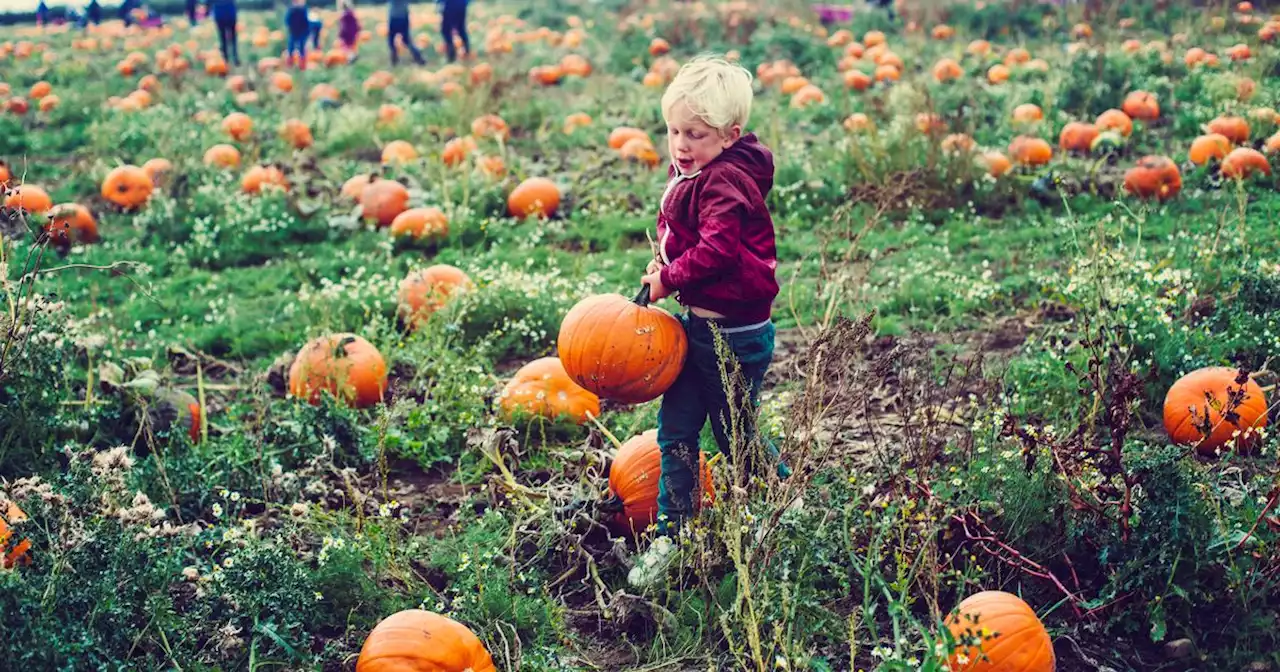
(717, 92)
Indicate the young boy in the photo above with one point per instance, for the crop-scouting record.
(299, 25)
(716, 249)
(348, 30)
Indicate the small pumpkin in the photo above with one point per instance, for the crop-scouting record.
(158, 168)
(297, 133)
(806, 96)
(1235, 129)
(622, 349)
(575, 121)
(998, 74)
(421, 224)
(858, 123)
(422, 641)
(71, 223)
(857, 80)
(457, 150)
(1243, 162)
(344, 365)
(1206, 147)
(947, 69)
(383, 200)
(1114, 120)
(14, 549)
(28, 197)
(222, 156)
(425, 291)
(1196, 409)
(1154, 177)
(1016, 56)
(1141, 105)
(389, 114)
(398, 152)
(542, 388)
(490, 126)
(659, 46)
(128, 187)
(996, 163)
(535, 195)
(996, 631)
(634, 476)
(1077, 137)
(622, 134)
(641, 151)
(1027, 113)
(1029, 151)
(258, 177)
(238, 125)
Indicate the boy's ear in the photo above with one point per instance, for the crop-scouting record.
(731, 136)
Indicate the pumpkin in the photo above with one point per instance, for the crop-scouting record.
(634, 476)
(641, 151)
(492, 167)
(389, 114)
(622, 134)
(857, 80)
(958, 143)
(542, 388)
(1027, 113)
(422, 641)
(978, 48)
(1029, 151)
(18, 106)
(622, 349)
(1239, 52)
(222, 156)
(238, 125)
(1114, 120)
(806, 96)
(397, 152)
(14, 549)
(575, 65)
(1081, 31)
(887, 73)
(5, 174)
(258, 177)
(490, 126)
(998, 74)
(40, 90)
(1243, 162)
(535, 195)
(547, 75)
(659, 46)
(297, 133)
(1195, 409)
(71, 223)
(946, 70)
(28, 197)
(1235, 129)
(457, 150)
(481, 73)
(1077, 137)
(791, 85)
(383, 200)
(575, 121)
(996, 163)
(157, 168)
(1141, 105)
(425, 291)
(282, 82)
(998, 632)
(943, 32)
(1154, 177)
(858, 122)
(355, 186)
(420, 223)
(49, 103)
(128, 187)
(1271, 147)
(1016, 56)
(323, 91)
(345, 365)
(1205, 147)
(872, 38)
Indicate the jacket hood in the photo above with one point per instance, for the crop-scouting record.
(753, 158)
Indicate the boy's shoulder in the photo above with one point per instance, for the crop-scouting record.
(747, 161)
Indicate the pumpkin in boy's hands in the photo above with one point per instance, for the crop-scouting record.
(622, 349)
(542, 388)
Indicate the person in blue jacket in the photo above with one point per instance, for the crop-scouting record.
(299, 26)
(224, 17)
(454, 21)
(93, 13)
(398, 25)
(42, 13)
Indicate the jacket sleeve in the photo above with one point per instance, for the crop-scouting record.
(722, 209)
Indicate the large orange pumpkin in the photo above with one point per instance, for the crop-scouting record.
(1141, 105)
(1077, 137)
(127, 187)
(222, 156)
(634, 476)
(420, 223)
(422, 641)
(1205, 147)
(1030, 151)
(1195, 409)
(383, 200)
(28, 197)
(238, 125)
(1235, 129)
(71, 223)
(13, 548)
(998, 632)
(425, 291)
(542, 388)
(398, 151)
(622, 349)
(345, 365)
(1154, 177)
(1115, 120)
(1243, 162)
(536, 195)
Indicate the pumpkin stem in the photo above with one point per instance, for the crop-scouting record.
(642, 299)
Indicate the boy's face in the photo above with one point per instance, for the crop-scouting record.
(692, 143)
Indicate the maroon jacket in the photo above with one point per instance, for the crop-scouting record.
(716, 234)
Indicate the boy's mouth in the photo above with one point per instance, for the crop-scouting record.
(684, 164)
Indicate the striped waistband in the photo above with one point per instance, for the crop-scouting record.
(730, 327)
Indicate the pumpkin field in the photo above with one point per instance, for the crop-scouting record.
(343, 366)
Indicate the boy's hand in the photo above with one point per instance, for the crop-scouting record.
(657, 291)
(654, 266)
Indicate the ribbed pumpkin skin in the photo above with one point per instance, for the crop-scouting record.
(620, 350)
(1189, 392)
(634, 477)
(427, 290)
(1017, 641)
(542, 387)
(421, 641)
(358, 375)
(12, 552)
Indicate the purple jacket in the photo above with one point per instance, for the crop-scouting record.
(348, 28)
(716, 234)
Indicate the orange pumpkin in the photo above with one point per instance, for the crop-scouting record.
(424, 641)
(258, 177)
(389, 113)
(575, 65)
(1077, 137)
(634, 476)
(575, 121)
(1016, 56)
(1027, 113)
(1114, 120)
(622, 349)
(383, 200)
(14, 549)
(542, 388)
(1272, 146)
(420, 223)
(622, 134)
(978, 48)
(71, 223)
(238, 125)
(998, 74)
(658, 46)
(1211, 406)
(1205, 147)
(344, 365)
(1030, 151)
(355, 186)
(858, 122)
(806, 96)
(943, 32)
(996, 163)
(1141, 105)
(222, 156)
(490, 126)
(1154, 177)
(5, 174)
(157, 168)
(40, 90)
(127, 186)
(546, 75)
(492, 167)
(28, 197)
(282, 82)
(457, 150)
(946, 70)
(958, 143)
(1243, 162)
(872, 38)
(998, 632)
(857, 80)
(536, 195)
(297, 133)
(1235, 129)
(641, 151)
(425, 291)
(398, 152)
